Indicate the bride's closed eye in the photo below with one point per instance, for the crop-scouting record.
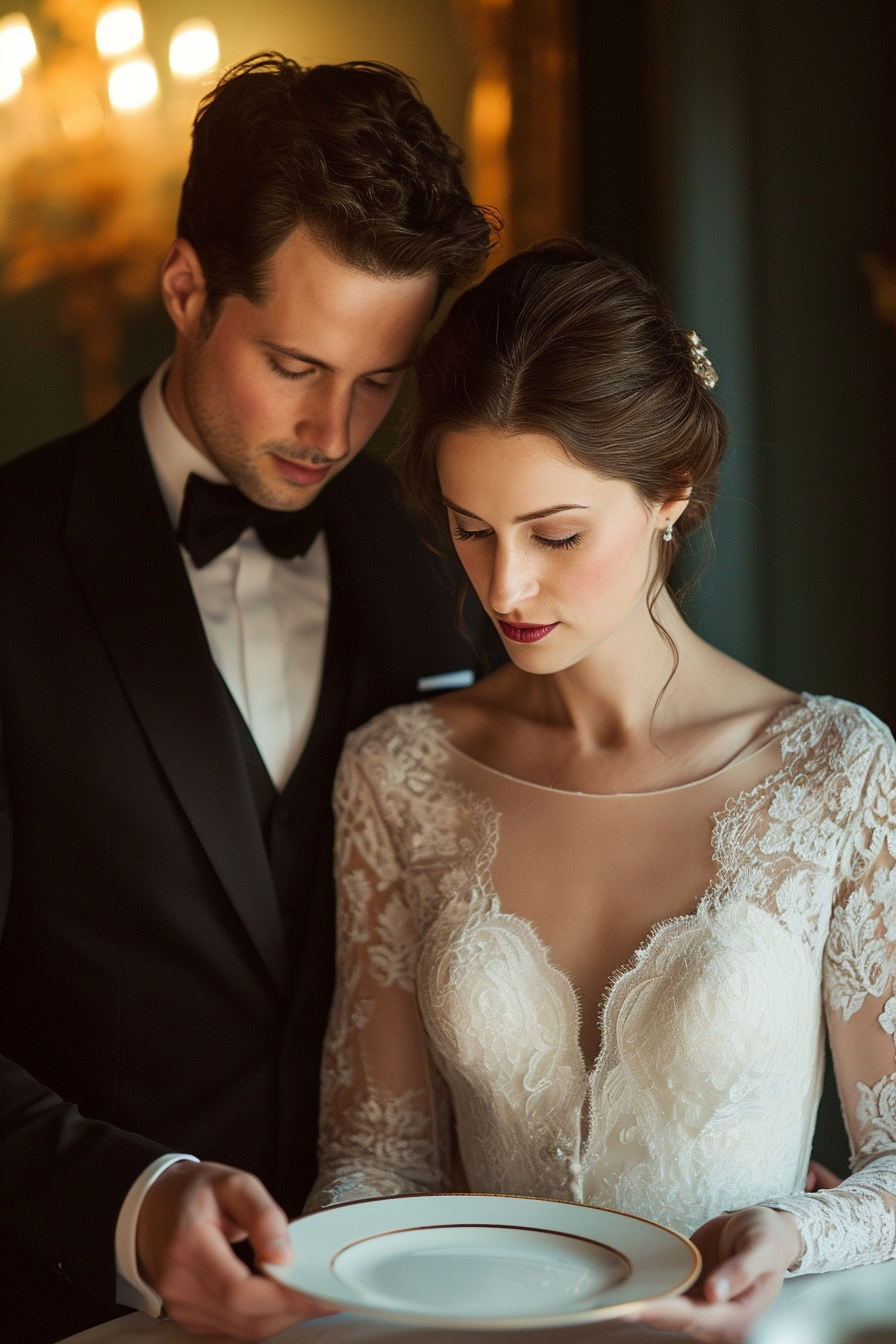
(561, 543)
(466, 534)
(553, 543)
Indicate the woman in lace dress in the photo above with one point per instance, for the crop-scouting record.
(597, 910)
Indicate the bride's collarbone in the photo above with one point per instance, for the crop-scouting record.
(665, 753)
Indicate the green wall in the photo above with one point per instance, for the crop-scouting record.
(780, 165)
(751, 180)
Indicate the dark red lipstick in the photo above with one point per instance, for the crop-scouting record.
(526, 634)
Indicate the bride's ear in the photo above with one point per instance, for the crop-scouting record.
(669, 513)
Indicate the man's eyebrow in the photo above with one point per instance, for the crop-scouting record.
(523, 518)
(299, 355)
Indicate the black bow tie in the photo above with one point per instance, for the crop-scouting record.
(213, 517)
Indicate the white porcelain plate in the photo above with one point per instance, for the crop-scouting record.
(484, 1261)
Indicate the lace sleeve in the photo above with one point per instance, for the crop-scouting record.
(385, 1123)
(855, 1224)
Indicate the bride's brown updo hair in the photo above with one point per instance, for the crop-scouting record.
(573, 343)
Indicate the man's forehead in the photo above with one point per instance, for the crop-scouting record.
(334, 314)
(304, 257)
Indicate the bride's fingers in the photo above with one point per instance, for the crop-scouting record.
(741, 1271)
(756, 1246)
(712, 1323)
(745, 1255)
(821, 1177)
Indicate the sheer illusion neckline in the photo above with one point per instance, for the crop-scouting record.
(592, 1072)
(767, 733)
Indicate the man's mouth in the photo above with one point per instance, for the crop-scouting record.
(301, 473)
(526, 634)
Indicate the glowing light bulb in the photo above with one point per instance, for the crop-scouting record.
(133, 84)
(194, 48)
(119, 28)
(17, 45)
(10, 81)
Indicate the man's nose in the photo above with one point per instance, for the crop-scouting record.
(513, 579)
(324, 421)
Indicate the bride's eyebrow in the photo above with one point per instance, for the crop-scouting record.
(523, 518)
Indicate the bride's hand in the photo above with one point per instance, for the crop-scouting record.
(745, 1255)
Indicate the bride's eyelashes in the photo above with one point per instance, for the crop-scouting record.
(465, 534)
(561, 543)
(553, 543)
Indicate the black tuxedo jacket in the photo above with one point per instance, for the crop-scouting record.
(165, 961)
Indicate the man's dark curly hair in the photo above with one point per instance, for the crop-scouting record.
(350, 152)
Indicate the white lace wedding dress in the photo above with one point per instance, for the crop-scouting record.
(451, 1017)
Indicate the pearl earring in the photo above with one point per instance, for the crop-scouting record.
(667, 533)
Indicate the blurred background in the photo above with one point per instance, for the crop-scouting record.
(742, 151)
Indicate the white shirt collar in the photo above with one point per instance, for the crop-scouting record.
(173, 456)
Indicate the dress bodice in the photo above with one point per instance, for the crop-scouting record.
(773, 901)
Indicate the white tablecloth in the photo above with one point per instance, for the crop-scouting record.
(352, 1330)
(821, 1309)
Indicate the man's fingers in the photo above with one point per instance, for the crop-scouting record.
(184, 1239)
(203, 1272)
(276, 1250)
(260, 1296)
(217, 1280)
(247, 1204)
(256, 1308)
(204, 1296)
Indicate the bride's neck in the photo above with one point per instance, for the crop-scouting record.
(634, 685)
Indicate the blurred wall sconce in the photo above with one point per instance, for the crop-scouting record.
(881, 276)
(93, 145)
(523, 115)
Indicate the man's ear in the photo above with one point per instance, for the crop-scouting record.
(183, 287)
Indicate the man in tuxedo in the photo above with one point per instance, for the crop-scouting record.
(199, 596)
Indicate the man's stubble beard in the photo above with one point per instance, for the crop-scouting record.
(224, 444)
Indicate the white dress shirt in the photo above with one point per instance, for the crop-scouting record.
(266, 624)
(265, 618)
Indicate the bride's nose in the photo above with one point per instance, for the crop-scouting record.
(513, 579)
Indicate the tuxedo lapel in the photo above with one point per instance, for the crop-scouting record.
(387, 586)
(122, 547)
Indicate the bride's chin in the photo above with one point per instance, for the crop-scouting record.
(540, 660)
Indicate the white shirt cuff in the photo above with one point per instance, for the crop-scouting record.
(132, 1289)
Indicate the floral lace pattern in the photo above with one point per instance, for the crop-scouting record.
(451, 1026)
